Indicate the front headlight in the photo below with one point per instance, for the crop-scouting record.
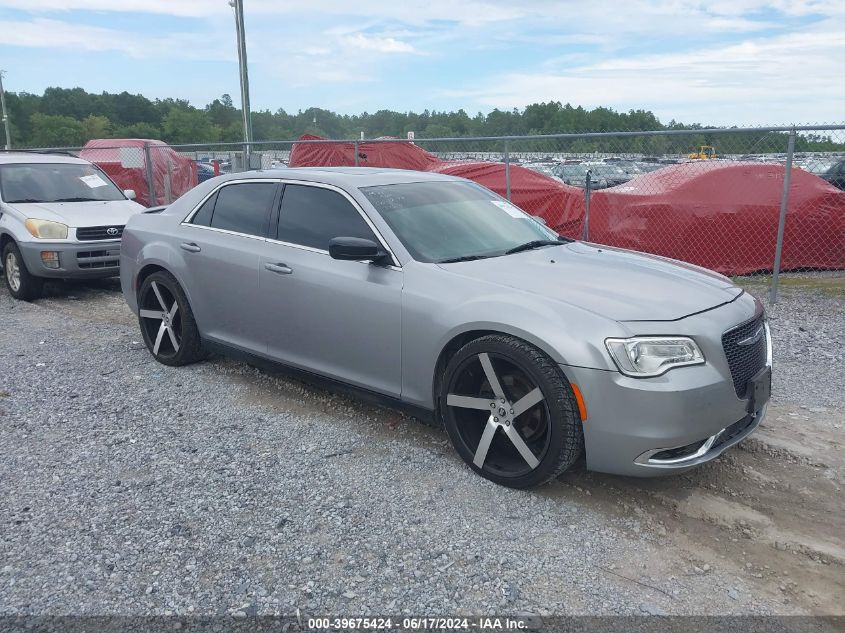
(645, 356)
(46, 230)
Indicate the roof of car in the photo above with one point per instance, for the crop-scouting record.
(346, 176)
(37, 157)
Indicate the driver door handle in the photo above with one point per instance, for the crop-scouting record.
(190, 247)
(282, 269)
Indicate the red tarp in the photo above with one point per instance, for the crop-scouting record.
(125, 162)
(724, 216)
(716, 214)
(560, 205)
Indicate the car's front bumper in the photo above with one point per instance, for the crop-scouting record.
(76, 260)
(651, 426)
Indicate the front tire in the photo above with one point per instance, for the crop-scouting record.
(510, 412)
(22, 284)
(167, 322)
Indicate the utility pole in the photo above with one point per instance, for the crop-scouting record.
(5, 116)
(238, 6)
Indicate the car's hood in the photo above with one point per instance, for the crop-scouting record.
(80, 214)
(615, 283)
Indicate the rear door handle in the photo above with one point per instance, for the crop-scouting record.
(190, 247)
(282, 269)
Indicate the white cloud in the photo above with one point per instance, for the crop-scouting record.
(731, 60)
(185, 8)
(48, 33)
(378, 44)
(784, 79)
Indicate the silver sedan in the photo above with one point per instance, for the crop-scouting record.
(434, 295)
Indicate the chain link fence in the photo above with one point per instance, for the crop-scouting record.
(741, 201)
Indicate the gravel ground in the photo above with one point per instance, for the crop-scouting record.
(127, 487)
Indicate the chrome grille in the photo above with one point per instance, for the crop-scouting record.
(746, 352)
(91, 233)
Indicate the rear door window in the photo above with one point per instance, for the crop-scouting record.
(242, 208)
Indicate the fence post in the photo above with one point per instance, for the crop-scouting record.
(356, 153)
(507, 171)
(784, 204)
(148, 164)
(588, 181)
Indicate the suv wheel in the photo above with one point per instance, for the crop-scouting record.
(21, 283)
(510, 412)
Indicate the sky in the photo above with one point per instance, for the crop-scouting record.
(723, 62)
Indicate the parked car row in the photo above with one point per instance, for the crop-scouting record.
(602, 174)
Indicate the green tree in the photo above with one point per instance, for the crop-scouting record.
(53, 130)
(189, 126)
(139, 130)
(96, 127)
(221, 112)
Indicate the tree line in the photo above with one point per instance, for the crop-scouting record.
(68, 117)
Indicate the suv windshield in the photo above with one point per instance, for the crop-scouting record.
(447, 221)
(55, 182)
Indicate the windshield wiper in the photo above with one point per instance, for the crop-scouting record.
(533, 244)
(77, 200)
(464, 258)
(23, 201)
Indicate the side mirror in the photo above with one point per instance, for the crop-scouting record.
(129, 193)
(355, 249)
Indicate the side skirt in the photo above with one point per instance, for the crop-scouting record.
(421, 413)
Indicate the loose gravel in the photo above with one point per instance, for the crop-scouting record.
(127, 487)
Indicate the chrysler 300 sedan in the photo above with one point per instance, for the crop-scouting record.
(434, 294)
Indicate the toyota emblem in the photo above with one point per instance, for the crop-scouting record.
(112, 231)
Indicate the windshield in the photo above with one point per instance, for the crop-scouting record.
(572, 171)
(439, 221)
(608, 170)
(55, 182)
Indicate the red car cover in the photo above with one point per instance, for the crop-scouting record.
(561, 206)
(717, 214)
(124, 160)
(724, 216)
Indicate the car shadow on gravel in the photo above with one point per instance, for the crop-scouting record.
(80, 289)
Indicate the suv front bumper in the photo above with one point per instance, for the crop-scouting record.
(76, 260)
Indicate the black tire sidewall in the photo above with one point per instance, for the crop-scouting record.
(31, 286)
(564, 424)
(190, 346)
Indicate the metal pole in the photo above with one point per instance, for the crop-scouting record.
(244, 76)
(587, 193)
(784, 203)
(148, 164)
(5, 116)
(507, 171)
(356, 153)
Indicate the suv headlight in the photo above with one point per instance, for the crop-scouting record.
(645, 356)
(46, 230)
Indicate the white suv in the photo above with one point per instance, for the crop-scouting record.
(60, 217)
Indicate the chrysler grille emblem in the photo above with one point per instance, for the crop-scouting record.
(753, 338)
(112, 231)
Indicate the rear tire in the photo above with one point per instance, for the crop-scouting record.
(167, 322)
(510, 412)
(22, 284)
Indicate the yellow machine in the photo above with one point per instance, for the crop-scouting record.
(705, 152)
